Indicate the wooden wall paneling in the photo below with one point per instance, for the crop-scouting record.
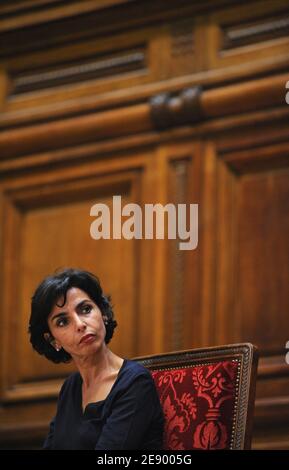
(252, 298)
(179, 179)
(175, 299)
(51, 222)
(71, 22)
(61, 134)
(139, 118)
(156, 193)
(10, 222)
(156, 263)
(241, 34)
(29, 12)
(271, 91)
(191, 259)
(166, 277)
(207, 247)
(140, 49)
(226, 322)
(52, 76)
(244, 97)
(150, 335)
(122, 60)
(24, 426)
(104, 149)
(80, 126)
(261, 193)
(47, 222)
(188, 280)
(175, 174)
(4, 88)
(264, 211)
(184, 58)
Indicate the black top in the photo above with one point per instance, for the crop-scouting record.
(130, 417)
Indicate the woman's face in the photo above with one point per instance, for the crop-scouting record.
(78, 326)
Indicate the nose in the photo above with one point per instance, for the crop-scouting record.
(79, 323)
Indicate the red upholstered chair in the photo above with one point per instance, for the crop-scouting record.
(207, 396)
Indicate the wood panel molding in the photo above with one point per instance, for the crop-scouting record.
(170, 111)
(46, 65)
(120, 63)
(43, 11)
(34, 110)
(263, 30)
(189, 107)
(236, 273)
(4, 88)
(24, 204)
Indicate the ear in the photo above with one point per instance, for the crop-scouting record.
(105, 319)
(49, 338)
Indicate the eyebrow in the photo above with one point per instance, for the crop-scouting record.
(79, 305)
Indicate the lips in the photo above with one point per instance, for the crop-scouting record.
(87, 338)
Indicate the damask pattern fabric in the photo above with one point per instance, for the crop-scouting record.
(198, 404)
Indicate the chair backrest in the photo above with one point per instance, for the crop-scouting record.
(207, 396)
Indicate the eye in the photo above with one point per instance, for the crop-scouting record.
(61, 321)
(86, 308)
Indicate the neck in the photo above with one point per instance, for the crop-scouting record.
(94, 367)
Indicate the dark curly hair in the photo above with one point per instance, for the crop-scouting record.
(48, 293)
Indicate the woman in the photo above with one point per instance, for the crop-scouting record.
(111, 402)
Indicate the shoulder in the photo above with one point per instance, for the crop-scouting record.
(135, 383)
(135, 369)
(70, 384)
(134, 373)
